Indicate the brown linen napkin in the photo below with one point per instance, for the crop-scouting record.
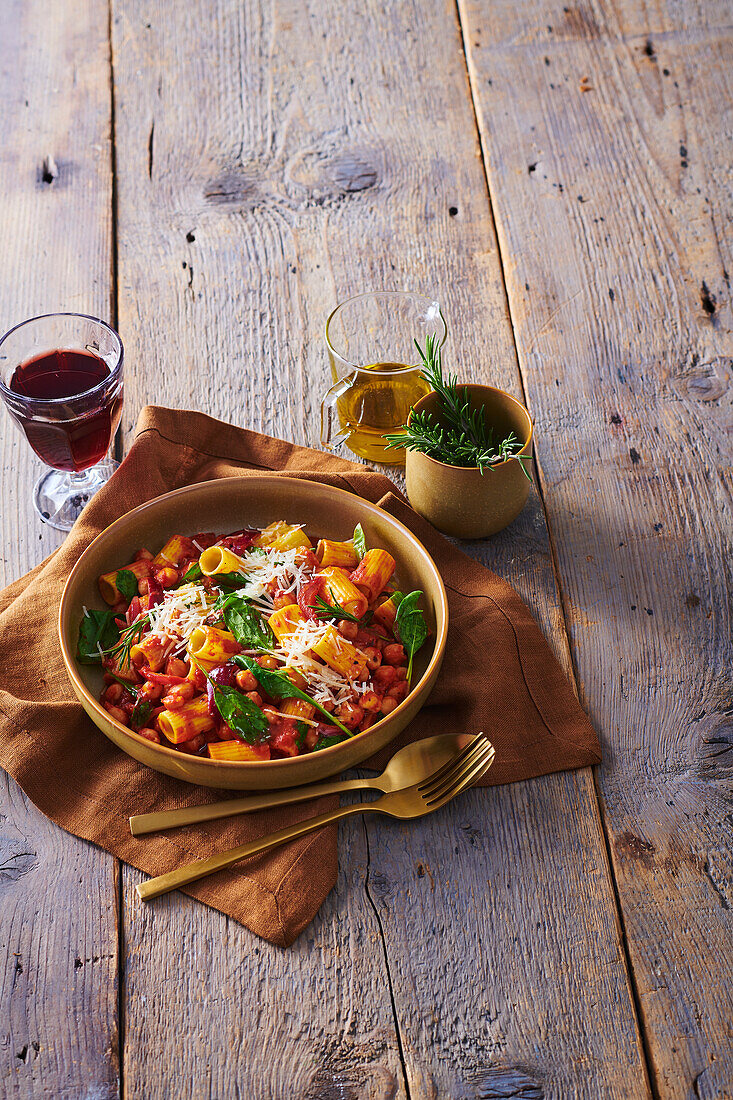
(498, 675)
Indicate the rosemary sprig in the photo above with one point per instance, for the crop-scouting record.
(129, 637)
(463, 438)
(332, 610)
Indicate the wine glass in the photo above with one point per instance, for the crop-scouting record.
(61, 381)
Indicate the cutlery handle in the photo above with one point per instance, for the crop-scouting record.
(191, 872)
(230, 807)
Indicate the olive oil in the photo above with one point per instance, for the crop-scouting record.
(378, 401)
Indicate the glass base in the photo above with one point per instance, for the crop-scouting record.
(60, 497)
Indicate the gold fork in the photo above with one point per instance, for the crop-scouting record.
(416, 801)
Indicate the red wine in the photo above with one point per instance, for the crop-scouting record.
(58, 374)
(73, 434)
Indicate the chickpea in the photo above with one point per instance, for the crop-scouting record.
(394, 654)
(268, 661)
(246, 680)
(167, 576)
(348, 630)
(177, 696)
(116, 713)
(194, 744)
(385, 675)
(175, 667)
(255, 697)
(369, 701)
(351, 714)
(373, 656)
(398, 691)
(113, 694)
(359, 672)
(388, 705)
(270, 713)
(150, 735)
(143, 586)
(150, 691)
(401, 672)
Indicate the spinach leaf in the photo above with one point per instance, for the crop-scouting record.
(328, 740)
(302, 728)
(240, 714)
(360, 541)
(193, 573)
(96, 627)
(229, 580)
(246, 623)
(140, 713)
(126, 582)
(278, 686)
(411, 626)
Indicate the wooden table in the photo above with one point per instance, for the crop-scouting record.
(212, 176)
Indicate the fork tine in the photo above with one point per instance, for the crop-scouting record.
(450, 782)
(474, 773)
(469, 750)
(446, 774)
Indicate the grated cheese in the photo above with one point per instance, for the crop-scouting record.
(325, 684)
(186, 609)
(179, 614)
(279, 566)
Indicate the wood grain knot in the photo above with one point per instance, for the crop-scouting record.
(630, 846)
(505, 1083)
(708, 381)
(351, 173)
(16, 859)
(328, 175)
(350, 1075)
(715, 748)
(234, 188)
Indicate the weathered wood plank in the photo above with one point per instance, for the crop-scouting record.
(611, 187)
(504, 958)
(225, 1014)
(307, 164)
(58, 929)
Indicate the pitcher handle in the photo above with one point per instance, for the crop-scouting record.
(330, 436)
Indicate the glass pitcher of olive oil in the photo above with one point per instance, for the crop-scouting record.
(374, 365)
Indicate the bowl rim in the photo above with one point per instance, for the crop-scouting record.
(217, 765)
(526, 449)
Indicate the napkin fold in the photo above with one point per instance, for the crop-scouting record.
(498, 675)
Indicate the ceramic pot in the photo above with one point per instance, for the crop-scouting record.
(460, 500)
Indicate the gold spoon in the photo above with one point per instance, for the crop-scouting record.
(408, 766)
